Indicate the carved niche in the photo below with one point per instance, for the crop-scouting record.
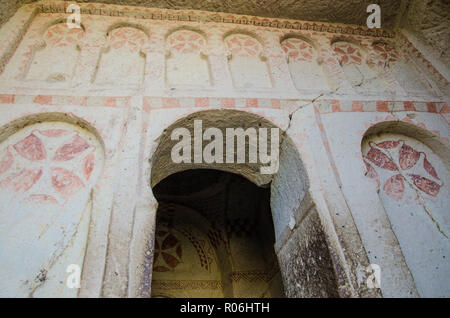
(186, 61)
(55, 58)
(411, 185)
(248, 65)
(47, 173)
(304, 64)
(122, 60)
(363, 78)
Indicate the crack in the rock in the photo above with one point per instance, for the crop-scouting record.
(291, 114)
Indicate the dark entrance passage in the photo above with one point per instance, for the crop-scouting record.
(214, 237)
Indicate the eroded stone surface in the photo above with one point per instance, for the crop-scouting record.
(305, 261)
(430, 20)
(8, 8)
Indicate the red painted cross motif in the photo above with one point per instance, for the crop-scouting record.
(126, 37)
(347, 53)
(168, 252)
(47, 166)
(398, 163)
(186, 41)
(384, 54)
(298, 50)
(60, 35)
(243, 45)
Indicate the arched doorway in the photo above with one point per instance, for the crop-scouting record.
(214, 237)
(300, 243)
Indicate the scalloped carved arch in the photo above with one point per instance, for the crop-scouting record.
(402, 68)
(353, 60)
(57, 41)
(247, 62)
(122, 59)
(187, 62)
(304, 64)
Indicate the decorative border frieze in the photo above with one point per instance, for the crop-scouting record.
(205, 17)
(337, 106)
(185, 284)
(290, 105)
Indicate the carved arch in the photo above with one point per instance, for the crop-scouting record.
(304, 62)
(123, 58)
(386, 56)
(246, 59)
(363, 76)
(299, 207)
(187, 62)
(56, 55)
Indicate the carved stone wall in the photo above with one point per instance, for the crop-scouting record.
(247, 62)
(353, 62)
(8, 8)
(221, 57)
(58, 40)
(305, 66)
(131, 73)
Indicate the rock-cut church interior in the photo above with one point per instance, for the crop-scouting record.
(92, 203)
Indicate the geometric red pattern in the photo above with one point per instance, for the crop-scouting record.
(186, 41)
(227, 102)
(347, 53)
(60, 35)
(298, 50)
(168, 252)
(405, 164)
(62, 170)
(243, 45)
(384, 54)
(127, 37)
